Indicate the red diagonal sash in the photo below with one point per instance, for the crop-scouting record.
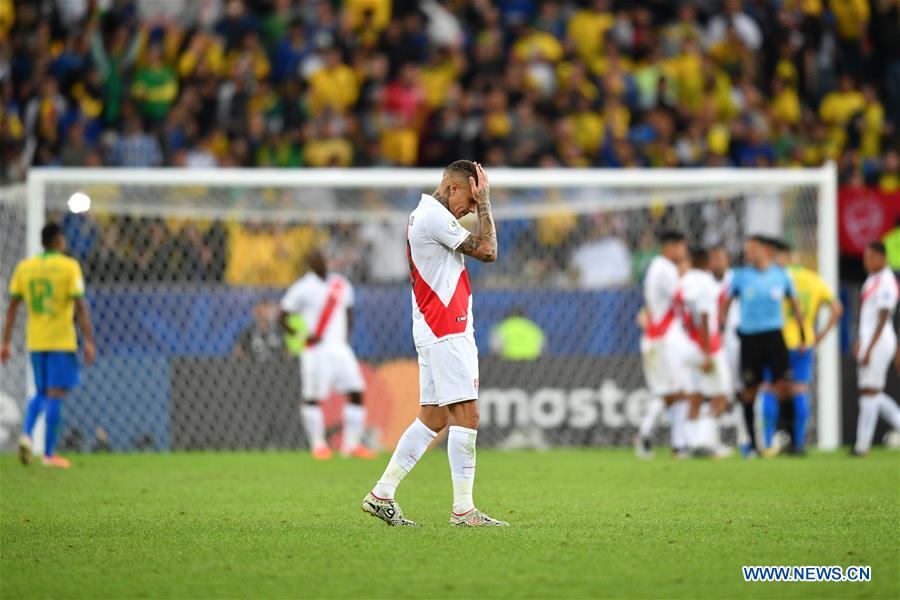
(659, 328)
(335, 291)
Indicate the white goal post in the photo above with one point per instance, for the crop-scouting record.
(632, 189)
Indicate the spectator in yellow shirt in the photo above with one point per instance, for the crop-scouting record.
(328, 148)
(204, 55)
(437, 78)
(534, 44)
(587, 127)
(587, 28)
(250, 58)
(839, 105)
(334, 86)
(872, 124)
(851, 17)
(367, 17)
(889, 180)
(785, 105)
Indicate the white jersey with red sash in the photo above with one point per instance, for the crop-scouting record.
(322, 304)
(441, 295)
(663, 338)
(660, 291)
(699, 295)
(730, 340)
(328, 363)
(879, 292)
(441, 306)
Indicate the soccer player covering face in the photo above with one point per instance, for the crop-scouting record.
(761, 287)
(325, 301)
(812, 294)
(443, 334)
(52, 287)
(662, 343)
(876, 347)
(707, 366)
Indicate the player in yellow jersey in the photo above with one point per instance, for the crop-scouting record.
(812, 294)
(52, 288)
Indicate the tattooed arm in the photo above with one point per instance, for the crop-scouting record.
(482, 245)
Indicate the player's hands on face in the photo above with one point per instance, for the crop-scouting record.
(5, 353)
(90, 353)
(480, 190)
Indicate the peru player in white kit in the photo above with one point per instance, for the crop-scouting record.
(662, 342)
(445, 342)
(720, 267)
(876, 347)
(325, 301)
(709, 376)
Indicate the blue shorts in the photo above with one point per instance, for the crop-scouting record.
(801, 365)
(55, 370)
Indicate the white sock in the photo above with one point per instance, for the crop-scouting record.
(679, 412)
(865, 425)
(737, 417)
(706, 432)
(461, 453)
(412, 445)
(691, 433)
(314, 424)
(354, 422)
(654, 409)
(889, 410)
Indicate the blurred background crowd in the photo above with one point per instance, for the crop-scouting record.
(609, 83)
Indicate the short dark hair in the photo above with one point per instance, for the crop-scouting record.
(49, 233)
(699, 257)
(466, 168)
(877, 247)
(762, 239)
(781, 245)
(667, 236)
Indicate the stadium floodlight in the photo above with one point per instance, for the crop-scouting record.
(170, 316)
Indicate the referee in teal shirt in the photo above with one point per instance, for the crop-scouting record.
(761, 287)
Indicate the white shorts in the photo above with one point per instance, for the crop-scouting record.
(715, 382)
(874, 375)
(448, 371)
(663, 370)
(327, 368)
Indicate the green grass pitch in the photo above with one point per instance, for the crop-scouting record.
(585, 523)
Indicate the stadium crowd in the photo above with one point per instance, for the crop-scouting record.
(284, 83)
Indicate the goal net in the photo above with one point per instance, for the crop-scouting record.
(185, 269)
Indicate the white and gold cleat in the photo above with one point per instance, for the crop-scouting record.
(385, 509)
(25, 455)
(475, 518)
